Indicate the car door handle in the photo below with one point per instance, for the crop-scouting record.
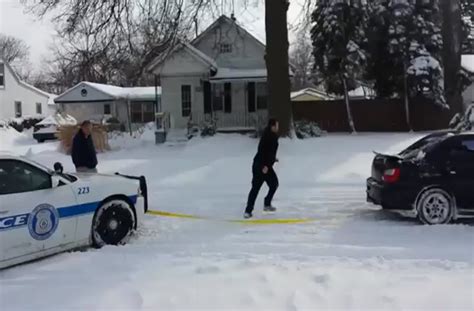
(3, 212)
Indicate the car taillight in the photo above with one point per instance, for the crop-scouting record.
(391, 175)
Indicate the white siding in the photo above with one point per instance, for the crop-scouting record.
(183, 63)
(246, 52)
(76, 94)
(85, 111)
(14, 91)
(171, 98)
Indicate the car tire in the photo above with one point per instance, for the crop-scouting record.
(113, 223)
(435, 206)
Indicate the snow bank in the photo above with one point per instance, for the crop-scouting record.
(10, 138)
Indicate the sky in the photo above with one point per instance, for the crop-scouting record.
(40, 34)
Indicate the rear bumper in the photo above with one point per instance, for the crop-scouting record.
(143, 189)
(140, 209)
(390, 197)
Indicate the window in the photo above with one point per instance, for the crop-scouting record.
(228, 97)
(2, 75)
(262, 96)
(18, 109)
(186, 100)
(217, 97)
(148, 112)
(225, 48)
(39, 108)
(143, 112)
(107, 109)
(18, 177)
(469, 144)
(251, 96)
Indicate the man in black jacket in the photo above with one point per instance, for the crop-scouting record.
(83, 151)
(262, 168)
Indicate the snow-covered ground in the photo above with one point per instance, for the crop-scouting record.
(351, 257)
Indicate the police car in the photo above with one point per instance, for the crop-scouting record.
(43, 212)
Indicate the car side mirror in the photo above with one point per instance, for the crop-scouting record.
(55, 181)
(58, 167)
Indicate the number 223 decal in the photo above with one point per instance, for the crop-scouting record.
(83, 190)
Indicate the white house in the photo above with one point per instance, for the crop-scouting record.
(467, 63)
(19, 99)
(87, 100)
(220, 75)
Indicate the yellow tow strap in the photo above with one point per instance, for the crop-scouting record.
(246, 221)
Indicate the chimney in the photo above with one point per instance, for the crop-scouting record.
(232, 17)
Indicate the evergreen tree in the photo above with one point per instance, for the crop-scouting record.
(405, 43)
(339, 42)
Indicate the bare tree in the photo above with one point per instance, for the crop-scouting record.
(301, 58)
(112, 40)
(13, 49)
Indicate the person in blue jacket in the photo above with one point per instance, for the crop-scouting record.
(83, 151)
(262, 168)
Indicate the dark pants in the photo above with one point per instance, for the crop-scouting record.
(258, 179)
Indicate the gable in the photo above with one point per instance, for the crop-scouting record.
(83, 93)
(185, 60)
(10, 76)
(246, 51)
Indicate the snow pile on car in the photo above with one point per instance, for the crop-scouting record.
(58, 119)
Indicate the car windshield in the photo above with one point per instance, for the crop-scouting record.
(423, 145)
(52, 172)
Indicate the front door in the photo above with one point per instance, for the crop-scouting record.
(29, 218)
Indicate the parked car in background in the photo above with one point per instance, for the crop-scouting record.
(433, 179)
(48, 128)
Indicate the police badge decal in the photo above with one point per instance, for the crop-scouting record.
(43, 222)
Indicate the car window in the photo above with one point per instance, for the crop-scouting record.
(17, 177)
(469, 144)
(461, 150)
(426, 145)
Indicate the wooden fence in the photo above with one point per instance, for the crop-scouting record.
(374, 115)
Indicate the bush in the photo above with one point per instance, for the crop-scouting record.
(306, 129)
(208, 128)
(21, 124)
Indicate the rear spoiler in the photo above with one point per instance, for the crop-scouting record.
(143, 186)
(395, 156)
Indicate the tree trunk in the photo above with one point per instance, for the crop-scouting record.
(278, 78)
(452, 48)
(407, 103)
(348, 106)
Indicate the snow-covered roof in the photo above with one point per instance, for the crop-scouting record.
(225, 74)
(117, 92)
(361, 91)
(311, 92)
(237, 74)
(467, 62)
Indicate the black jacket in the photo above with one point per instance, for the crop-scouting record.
(83, 151)
(267, 149)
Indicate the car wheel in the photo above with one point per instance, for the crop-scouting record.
(435, 206)
(113, 223)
